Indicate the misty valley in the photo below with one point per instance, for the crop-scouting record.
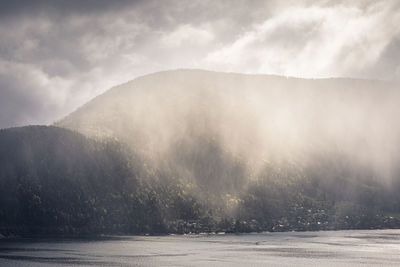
(192, 151)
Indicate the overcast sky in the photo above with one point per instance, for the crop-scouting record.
(57, 55)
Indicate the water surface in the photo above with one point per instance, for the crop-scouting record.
(328, 248)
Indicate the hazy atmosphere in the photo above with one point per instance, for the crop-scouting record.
(198, 133)
(57, 55)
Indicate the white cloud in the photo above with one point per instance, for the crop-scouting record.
(311, 42)
(187, 35)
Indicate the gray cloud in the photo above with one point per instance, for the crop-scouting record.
(56, 55)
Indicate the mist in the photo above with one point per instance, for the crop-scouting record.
(254, 118)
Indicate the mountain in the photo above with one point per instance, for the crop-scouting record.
(329, 144)
(245, 112)
(198, 151)
(189, 119)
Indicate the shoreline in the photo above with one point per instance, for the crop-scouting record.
(99, 237)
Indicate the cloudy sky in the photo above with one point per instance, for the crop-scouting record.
(57, 55)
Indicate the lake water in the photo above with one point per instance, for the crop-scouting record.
(329, 248)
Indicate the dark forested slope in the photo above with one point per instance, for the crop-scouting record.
(53, 180)
(56, 181)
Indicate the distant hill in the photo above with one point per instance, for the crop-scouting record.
(186, 118)
(199, 151)
(329, 144)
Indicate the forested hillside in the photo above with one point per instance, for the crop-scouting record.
(54, 181)
(196, 151)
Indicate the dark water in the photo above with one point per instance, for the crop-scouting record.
(330, 248)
